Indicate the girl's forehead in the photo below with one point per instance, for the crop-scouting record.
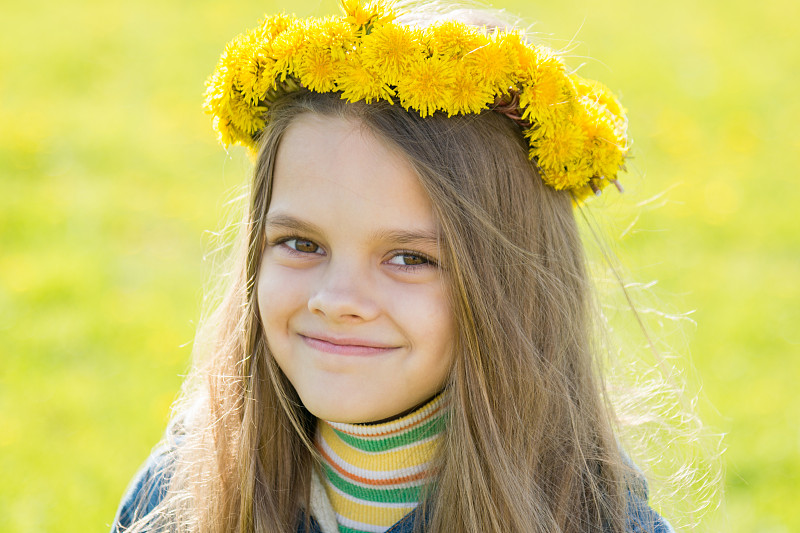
(314, 140)
(334, 173)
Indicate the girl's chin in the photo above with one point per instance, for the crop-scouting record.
(344, 415)
(361, 411)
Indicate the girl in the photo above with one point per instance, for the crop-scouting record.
(406, 341)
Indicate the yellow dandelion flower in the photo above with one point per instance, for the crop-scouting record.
(605, 162)
(359, 83)
(454, 39)
(228, 134)
(271, 26)
(287, 47)
(217, 89)
(242, 66)
(289, 85)
(564, 179)
(495, 64)
(601, 94)
(317, 70)
(334, 35)
(241, 119)
(233, 55)
(254, 76)
(468, 94)
(605, 146)
(557, 147)
(390, 49)
(222, 84)
(523, 56)
(223, 131)
(357, 13)
(546, 90)
(426, 86)
(249, 119)
(365, 14)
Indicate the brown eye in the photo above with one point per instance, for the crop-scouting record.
(409, 259)
(302, 245)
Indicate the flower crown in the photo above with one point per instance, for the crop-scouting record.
(575, 128)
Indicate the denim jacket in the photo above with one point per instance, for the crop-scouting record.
(150, 484)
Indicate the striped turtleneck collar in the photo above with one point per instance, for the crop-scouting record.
(374, 474)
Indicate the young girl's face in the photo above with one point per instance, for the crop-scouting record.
(351, 297)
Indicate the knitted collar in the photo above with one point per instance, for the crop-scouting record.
(374, 474)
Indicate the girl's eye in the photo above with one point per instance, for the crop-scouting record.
(302, 245)
(409, 259)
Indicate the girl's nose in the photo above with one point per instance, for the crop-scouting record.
(343, 294)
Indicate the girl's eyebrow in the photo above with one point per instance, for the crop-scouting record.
(408, 238)
(399, 237)
(279, 221)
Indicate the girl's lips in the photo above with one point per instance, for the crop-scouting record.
(346, 346)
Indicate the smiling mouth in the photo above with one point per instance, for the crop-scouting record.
(346, 346)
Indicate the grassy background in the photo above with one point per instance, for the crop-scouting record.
(109, 175)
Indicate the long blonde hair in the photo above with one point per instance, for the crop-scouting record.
(530, 444)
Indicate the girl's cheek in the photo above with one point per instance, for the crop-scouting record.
(280, 289)
(423, 308)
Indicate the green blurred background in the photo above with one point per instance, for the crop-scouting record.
(110, 177)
